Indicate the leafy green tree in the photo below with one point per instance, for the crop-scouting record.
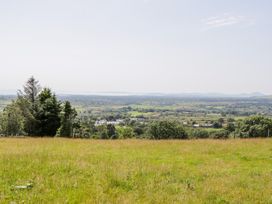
(138, 130)
(111, 131)
(102, 132)
(124, 132)
(167, 130)
(106, 131)
(230, 127)
(217, 125)
(256, 126)
(12, 120)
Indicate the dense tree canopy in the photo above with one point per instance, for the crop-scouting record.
(68, 116)
(48, 115)
(12, 120)
(256, 126)
(37, 112)
(167, 130)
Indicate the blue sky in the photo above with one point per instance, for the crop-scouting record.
(170, 46)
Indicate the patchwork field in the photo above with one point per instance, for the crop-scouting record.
(135, 171)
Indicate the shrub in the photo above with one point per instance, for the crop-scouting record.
(199, 133)
(167, 130)
(221, 134)
(124, 132)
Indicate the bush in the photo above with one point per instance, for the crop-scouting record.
(199, 133)
(102, 132)
(167, 130)
(221, 134)
(138, 130)
(124, 132)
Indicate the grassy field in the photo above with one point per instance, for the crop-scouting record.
(136, 171)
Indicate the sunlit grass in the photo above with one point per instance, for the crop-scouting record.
(136, 171)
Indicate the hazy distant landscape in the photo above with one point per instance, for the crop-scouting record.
(133, 149)
(197, 113)
(136, 101)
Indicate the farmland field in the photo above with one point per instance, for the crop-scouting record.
(135, 171)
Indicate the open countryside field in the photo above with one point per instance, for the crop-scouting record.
(135, 171)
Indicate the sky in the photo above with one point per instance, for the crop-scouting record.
(137, 46)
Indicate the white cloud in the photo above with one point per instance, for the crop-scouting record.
(225, 20)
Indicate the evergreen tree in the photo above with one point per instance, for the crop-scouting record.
(32, 89)
(67, 120)
(27, 101)
(37, 113)
(48, 115)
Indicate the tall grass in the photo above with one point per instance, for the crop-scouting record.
(136, 171)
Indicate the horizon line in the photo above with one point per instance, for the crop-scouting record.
(124, 93)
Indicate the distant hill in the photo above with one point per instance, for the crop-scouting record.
(154, 94)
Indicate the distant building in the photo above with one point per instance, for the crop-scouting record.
(207, 125)
(105, 122)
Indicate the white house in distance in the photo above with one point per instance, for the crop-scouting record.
(105, 122)
(196, 125)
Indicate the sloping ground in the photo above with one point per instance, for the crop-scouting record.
(135, 171)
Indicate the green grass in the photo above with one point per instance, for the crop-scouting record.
(136, 171)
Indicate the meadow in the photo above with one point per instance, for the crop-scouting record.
(135, 171)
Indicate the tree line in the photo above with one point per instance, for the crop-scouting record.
(37, 112)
